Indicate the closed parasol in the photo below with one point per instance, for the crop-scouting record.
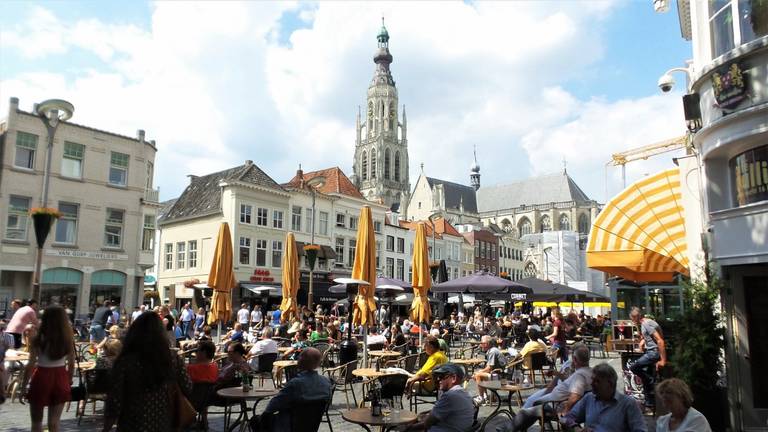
(222, 278)
(421, 279)
(365, 269)
(289, 305)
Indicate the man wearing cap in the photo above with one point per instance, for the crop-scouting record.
(454, 410)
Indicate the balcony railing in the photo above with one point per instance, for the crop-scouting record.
(152, 195)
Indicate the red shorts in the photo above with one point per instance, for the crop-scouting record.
(49, 386)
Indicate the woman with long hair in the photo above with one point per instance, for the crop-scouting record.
(51, 367)
(145, 378)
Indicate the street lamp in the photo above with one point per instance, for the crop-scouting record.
(52, 112)
(546, 261)
(435, 269)
(313, 183)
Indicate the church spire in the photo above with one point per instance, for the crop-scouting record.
(383, 58)
(474, 175)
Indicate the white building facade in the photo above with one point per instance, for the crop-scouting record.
(102, 184)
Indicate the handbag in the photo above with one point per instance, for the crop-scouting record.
(184, 414)
(77, 393)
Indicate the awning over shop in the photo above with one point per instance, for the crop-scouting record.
(640, 234)
(62, 276)
(325, 252)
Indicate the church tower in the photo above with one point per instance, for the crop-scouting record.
(474, 172)
(381, 147)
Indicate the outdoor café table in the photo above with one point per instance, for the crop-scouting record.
(384, 353)
(469, 364)
(363, 417)
(369, 374)
(283, 350)
(496, 386)
(237, 394)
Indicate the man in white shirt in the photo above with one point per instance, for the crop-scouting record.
(256, 316)
(187, 316)
(265, 346)
(243, 316)
(138, 312)
(383, 314)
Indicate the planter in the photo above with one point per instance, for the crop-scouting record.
(42, 223)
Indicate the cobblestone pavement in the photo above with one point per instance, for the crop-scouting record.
(14, 417)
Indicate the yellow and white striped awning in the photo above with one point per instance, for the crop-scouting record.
(640, 234)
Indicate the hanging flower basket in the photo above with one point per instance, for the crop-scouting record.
(191, 283)
(42, 219)
(151, 294)
(311, 251)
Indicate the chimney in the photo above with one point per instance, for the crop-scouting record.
(300, 176)
(14, 104)
(153, 143)
(192, 178)
(248, 162)
(140, 135)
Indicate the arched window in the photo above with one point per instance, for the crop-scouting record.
(506, 225)
(373, 164)
(365, 165)
(565, 223)
(397, 166)
(546, 223)
(386, 164)
(525, 226)
(530, 270)
(584, 223)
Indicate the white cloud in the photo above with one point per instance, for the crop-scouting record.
(214, 86)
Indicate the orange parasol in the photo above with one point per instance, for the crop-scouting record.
(421, 281)
(289, 305)
(365, 269)
(222, 277)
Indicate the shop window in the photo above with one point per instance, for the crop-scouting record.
(26, 146)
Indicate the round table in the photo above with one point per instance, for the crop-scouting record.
(284, 363)
(495, 387)
(283, 350)
(370, 373)
(363, 417)
(237, 394)
(469, 364)
(384, 353)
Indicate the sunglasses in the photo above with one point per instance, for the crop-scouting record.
(442, 377)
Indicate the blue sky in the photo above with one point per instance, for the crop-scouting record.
(529, 83)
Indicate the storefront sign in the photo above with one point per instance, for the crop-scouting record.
(749, 172)
(728, 85)
(261, 275)
(96, 255)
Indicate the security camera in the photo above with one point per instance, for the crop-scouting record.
(666, 82)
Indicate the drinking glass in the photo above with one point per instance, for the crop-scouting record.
(386, 409)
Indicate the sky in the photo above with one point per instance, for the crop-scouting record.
(533, 85)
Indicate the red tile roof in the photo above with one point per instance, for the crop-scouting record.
(335, 182)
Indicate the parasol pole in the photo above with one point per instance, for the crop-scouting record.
(365, 346)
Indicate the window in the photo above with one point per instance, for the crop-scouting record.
(373, 164)
(72, 162)
(397, 166)
(390, 267)
(309, 220)
(483, 249)
(261, 253)
(352, 248)
(323, 228)
(546, 223)
(400, 245)
(192, 253)
(18, 217)
(493, 251)
(245, 251)
(114, 228)
(365, 165)
(277, 253)
(26, 144)
(340, 250)
(525, 226)
(377, 227)
(169, 256)
(261, 216)
(118, 169)
(296, 218)
(477, 249)
(181, 255)
(386, 165)
(584, 223)
(277, 219)
(378, 254)
(565, 223)
(410, 274)
(341, 220)
(353, 222)
(148, 233)
(455, 273)
(66, 226)
(400, 269)
(150, 174)
(390, 243)
(245, 213)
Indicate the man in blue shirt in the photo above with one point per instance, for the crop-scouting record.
(454, 411)
(307, 386)
(604, 409)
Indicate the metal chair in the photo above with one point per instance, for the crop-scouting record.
(264, 371)
(342, 379)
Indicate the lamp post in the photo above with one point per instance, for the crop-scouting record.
(313, 184)
(546, 261)
(52, 112)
